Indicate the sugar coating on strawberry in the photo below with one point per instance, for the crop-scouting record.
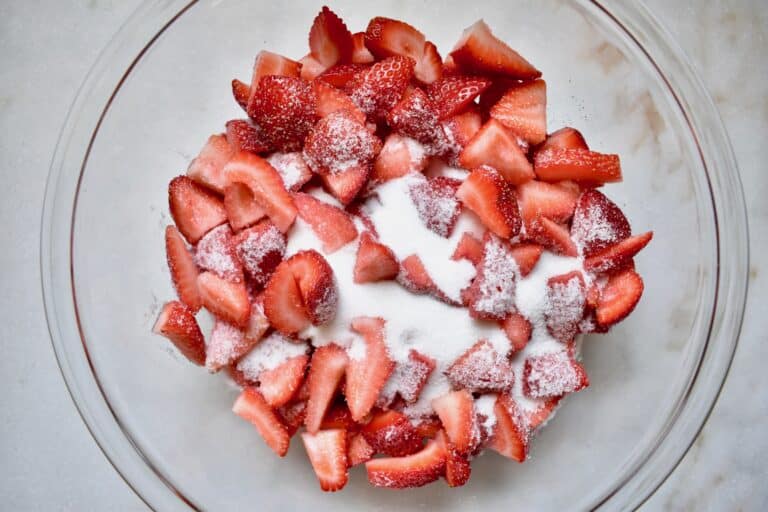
(597, 223)
(243, 135)
(260, 249)
(338, 143)
(481, 368)
(292, 169)
(375, 90)
(285, 108)
(451, 95)
(270, 353)
(436, 202)
(408, 378)
(216, 252)
(415, 116)
(225, 344)
(492, 293)
(566, 301)
(552, 375)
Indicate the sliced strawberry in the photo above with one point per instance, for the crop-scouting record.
(251, 406)
(481, 368)
(311, 68)
(340, 142)
(268, 63)
(241, 92)
(260, 249)
(360, 53)
(330, 99)
(564, 138)
(552, 235)
(339, 75)
(225, 345)
(327, 451)
(553, 374)
(292, 169)
(332, 225)
(414, 276)
(526, 255)
(457, 414)
(460, 130)
(177, 323)
(511, 435)
(243, 135)
(523, 109)
(399, 156)
(386, 37)
(292, 415)
(538, 199)
(576, 164)
(597, 223)
(617, 255)
(429, 427)
(278, 385)
(330, 42)
(224, 299)
(284, 107)
(358, 450)
(487, 194)
(411, 471)
(270, 353)
(345, 186)
(619, 297)
(338, 416)
(453, 95)
(376, 90)
(493, 145)
(469, 248)
(329, 362)
(183, 269)
(415, 116)
(518, 331)
(540, 415)
(566, 303)
(242, 209)
(491, 296)
(258, 323)
(436, 203)
(479, 51)
(430, 67)
(314, 277)
(366, 376)
(374, 262)
(457, 466)
(392, 433)
(283, 303)
(207, 167)
(409, 378)
(194, 209)
(216, 252)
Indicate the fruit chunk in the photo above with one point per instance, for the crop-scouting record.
(314, 277)
(216, 252)
(360, 53)
(330, 99)
(411, 471)
(414, 276)
(457, 414)
(491, 296)
(538, 199)
(487, 194)
(332, 225)
(518, 330)
(553, 374)
(415, 116)
(278, 385)
(260, 249)
(241, 92)
(374, 262)
(269, 354)
(479, 51)
(399, 156)
(338, 76)
(330, 42)
(597, 223)
(511, 435)
(250, 406)
(182, 267)
(284, 107)
(292, 415)
(311, 68)
(292, 169)
(358, 450)
(225, 345)
(345, 186)
(523, 109)
(617, 255)
(436, 203)
(454, 94)
(539, 416)
(375, 90)
(619, 297)
(480, 369)
(526, 255)
(242, 209)
(243, 135)
(408, 378)
(386, 37)
(460, 130)
(224, 299)
(329, 362)
(457, 466)
(195, 210)
(327, 451)
(268, 63)
(494, 146)
(552, 235)
(469, 248)
(576, 164)
(177, 323)
(564, 138)
(367, 375)
(283, 303)
(258, 323)
(340, 142)
(207, 167)
(566, 302)
(392, 433)
(430, 67)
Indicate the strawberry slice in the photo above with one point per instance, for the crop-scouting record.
(183, 269)
(436, 203)
(241, 92)
(330, 42)
(469, 248)
(480, 369)
(452, 95)
(251, 406)
(367, 375)
(538, 199)
(332, 225)
(511, 435)
(457, 467)
(258, 323)
(459, 131)
(617, 255)
(358, 450)
(456, 411)
(360, 53)
(491, 296)
(374, 261)
(429, 427)
(292, 415)
(242, 209)
(566, 304)
(268, 63)
(411, 471)
(340, 142)
(177, 323)
(327, 451)
(268, 354)
(278, 385)
(283, 303)
(386, 37)
(414, 277)
(195, 210)
(339, 416)
(216, 252)
(399, 156)
(619, 297)
(314, 277)
(260, 249)
(330, 99)
(292, 169)
(243, 135)
(552, 235)
(265, 184)
(518, 330)
(345, 186)
(375, 90)
(430, 67)
(526, 255)
(207, 167)
(284, 107)
(224, 299)
(564, 138)
(576, 164)
(597, 223)
(392, 433)
(479, 51)
(539, 416)
(311, 68)
(339, 75)
(493, 145)
(329, 362)
(415, 116)
(487, 194)
(225, 345)
(523, 109)
(409, 378)
(553, 374)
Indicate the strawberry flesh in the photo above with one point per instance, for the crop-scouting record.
(177, 323)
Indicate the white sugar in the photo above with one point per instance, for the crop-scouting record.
(270, 353)
(484, 406)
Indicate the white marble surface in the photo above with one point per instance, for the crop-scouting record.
(49, 461)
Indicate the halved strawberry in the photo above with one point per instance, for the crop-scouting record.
(284, 107)
(283, 303)
(392, 433)
(617, 255)
(415, 116)
(242, 209)
(409, 378)
(216, 252)
(339, 75)
(564, 138)
(487, 194)
(518, 330)
(430, 66)
(619, 297)
(460, 130)
(552, 235)
(366, 376)
(260, 249)
(177, 323)
(479, 51)
(469, 248)
(539, 416)
(566, 303)
(480, 369)
(330, 42)
(456, 411)
(358, 450)
(553, 374)
(374, 262)
(268, 63)
(345, 186)
(207, 167)
(511, 435)
(195, 210)
(327, 451)
(340, 142)
(278, 385)
(411, 471)
(330, 99)
(251, 406)
(399, 156)
(292, 169)
(243, 135)
(375, 90)
(526, 255)
(523, 109)
(436, 203)
(538, 199)
(332, 225)
(493, 145)
(311, 68)
(597, 223)
(558, 164)
(314, 277)
(454, 94)
(224, 299)
(241, 92)
(360, 53)
(329, 362)
(491, 296)
(183, 269)
(225, 345)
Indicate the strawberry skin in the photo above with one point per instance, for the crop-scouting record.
(479, 51)
(452, 95)
(523, 109)
(487, 194)
(243, 135)
(340, 142)
(619, 297)
(177, 323)
(330, 100)
(366, 377)
(327, 451)
(374, 262)
(597, 223)
(195, 210)
(332, 225)
(376, 89)
(183, 269)
(329, 362)
(392, 433)
(284, 107)
(260, 249)
(251, 406)
(411, 471)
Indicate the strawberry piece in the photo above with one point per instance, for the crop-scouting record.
(292, 415)
(339, 75)
(459, 131)
(566, 303)
(226, 344)
(183, 269)
(552, 235)
(241, 92)
(457, 466)
(480, 369)
(243, 135)
(258, 323)
(415, 116)
(491, 296)
(330, 42)
(340, 142)
(207, 167)
(456, 411)
(411, 471)
(329, 362)
(386, 37)
(265, 184)
(539, 416)
(251, 406)
(284, 107)
(576, 164)
(414, 276)
(260, 249)
(224, 299)
(597, 223)
(430, 66)
(268, 63)
(436, 203)
(367, 375)
(177, 323)
(469, 248)
(278, 385)
(314, 277)
(330, 99)
(216, 252)
(242, 209)
(268, 354)
(392, 433)
(564, 138)
(511, 436)
(409, 378)
(487, 194)
(479, 51)
(617, 255)
(553, 374)
(332, 225)
(523, 109)
(327, 451)
(493, 145)
(453, 95)
(345, 186)
(399, 156)
(339, 416)
(360, 53)
(538, 199)
(292, 169)
(283, 303)
(526, 255)
(311, 68)
(619, 297)
(195, 210)
(429, 427)
(374, 261)
(518, 330)
(358, 450)
(375, 90)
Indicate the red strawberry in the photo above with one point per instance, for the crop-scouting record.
(285, 109)
(366, 376)
(429, 427)
(459, 131)
(182, 268)
(481, 368)
(552, 235)
(340, 142)
(523, 109)
(330, 42)
(278, 385)
(597, 223)
(260, 249)
(329, 362)
(243, 135)
(415, 277)
(241, 92)
(292, 415)
(619, 297)
(374, 262)
(415, 116)
(392, 433)
(493, 145)
(332, 225)
(576, 164)
(386, 37)
(292, 169)
(327, 452)
(526, 255)
(283, 303)
(177, 323)
(539, 416)
(339, 416)
(224, 299)
(409, 378)
(330, 99)
(339, 75)
(268, 63)
(454, 94)
(360, 53)
(487, 194)
(457, 467)
(538, 199)
(250, 405)
(518, 330)
(258, 323)
(564, 138)
(411, 471)
(457, 414)
(553, 374)
(311, 68)
(399, 156)
(265, 184)
(436, 203)
(469, 248)
(479, 51)
(345, 186)
(358, 450)
(491, 296)
(617, 255)
(207, 168)
(216, 252)
(376, 89)
(430, 67)
(511, 435)
(566, 303)
(242, 209)
(194, 209)
(314, 277)
(225, 345)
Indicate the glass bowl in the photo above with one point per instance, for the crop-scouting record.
(162, 86)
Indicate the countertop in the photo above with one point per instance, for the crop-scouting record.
(49, 460)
